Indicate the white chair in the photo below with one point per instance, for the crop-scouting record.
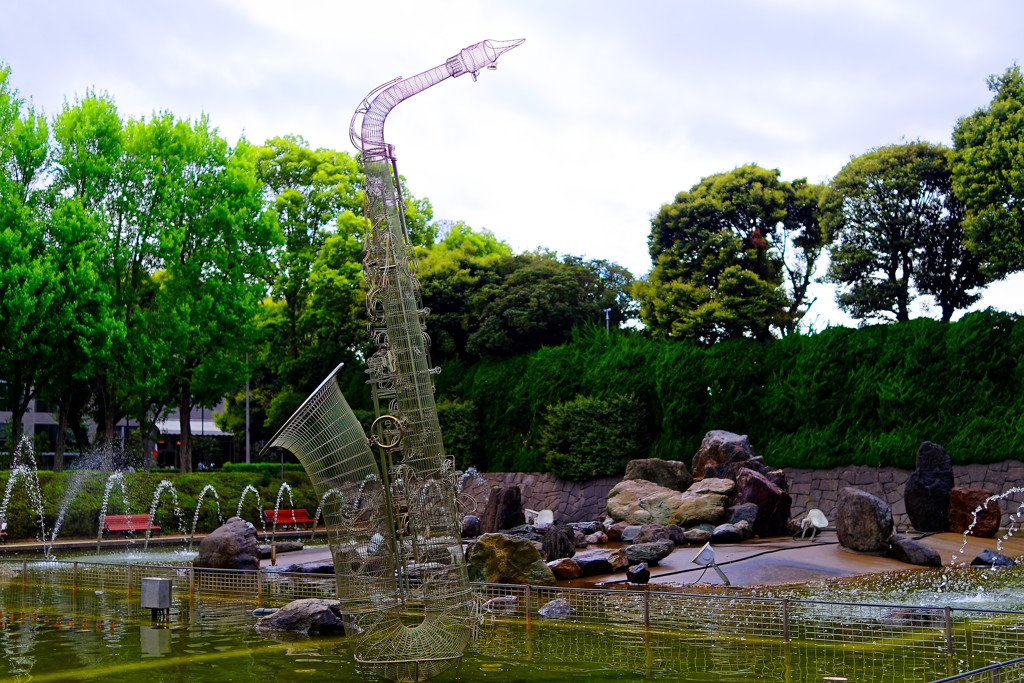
(813, 522)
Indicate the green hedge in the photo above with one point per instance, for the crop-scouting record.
(840, 397)
(85, 489)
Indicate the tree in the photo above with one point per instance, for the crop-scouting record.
(896, 232)
(988, 175)
(214, 245)
(732, 257)
(25, 275)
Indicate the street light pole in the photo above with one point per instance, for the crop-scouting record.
(607, 324)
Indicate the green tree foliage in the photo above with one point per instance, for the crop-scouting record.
(896, 231)
(732, 257)
(988, 174)
(26, 296)
(593, 437)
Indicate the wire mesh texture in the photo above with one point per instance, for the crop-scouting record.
(394, 527)
(853, 637)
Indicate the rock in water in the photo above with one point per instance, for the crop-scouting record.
(309, 616)
(926, 492)
(559, 542)
(638, 573)
(865, 521)
(559, 608)
(912, 552)
(651, 553)
(230, 546)
(990, 558)
(500, 558)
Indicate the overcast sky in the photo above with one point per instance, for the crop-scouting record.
(604, 114)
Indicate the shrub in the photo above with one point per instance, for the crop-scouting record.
(590, 437)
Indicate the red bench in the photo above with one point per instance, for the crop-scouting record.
(128, 523)
(290, 518)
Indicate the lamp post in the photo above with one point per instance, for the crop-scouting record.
(607, 323)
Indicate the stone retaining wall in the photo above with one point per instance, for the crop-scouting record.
(570, 501)
(573, 501)
(820, 488)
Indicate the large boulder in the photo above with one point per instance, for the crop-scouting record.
(926, 492)
(559, 542)
(232, 545)
(309, 616)
(671, 474)
(638, 501)
(964, 512)
(594, 562)
(720, 447)
(504, 510)
(865, 521)
(652, 553)
(566, 569)
(652, 532)
(773, 504)
(501, 558)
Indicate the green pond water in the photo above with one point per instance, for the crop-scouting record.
(50, 633)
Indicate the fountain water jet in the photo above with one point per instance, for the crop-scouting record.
(115, 478)
(199, 505)
(249, 488)
(163, 486)
(30, 474)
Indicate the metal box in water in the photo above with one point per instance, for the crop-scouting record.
(155, 594)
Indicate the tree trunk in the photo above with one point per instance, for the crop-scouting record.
(63, 404)
(184, 412)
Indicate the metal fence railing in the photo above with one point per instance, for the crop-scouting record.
(973, 638)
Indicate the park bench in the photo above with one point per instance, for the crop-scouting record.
(290, 518)
(128, 524)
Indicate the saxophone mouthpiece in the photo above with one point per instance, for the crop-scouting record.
(479, 56)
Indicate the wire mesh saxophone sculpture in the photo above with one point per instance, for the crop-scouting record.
(394, 529)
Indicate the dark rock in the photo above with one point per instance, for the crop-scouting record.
(615, 531)
(676, 534)
(579, 538)
(630, 533)
(566, 569)
(599, 537)
(990, 558)
(594, 562)
(743, 511)
(777, 477)
(504, 510)
(773, 504)
(964, 512)
(651, 553)
(720, 447)
(502, 558)
(232, 545)
(470, 526)
(559, 542)
(913, 552)
(652, 532)
(730, 470)
(587, 527)
(726, 533)
(913, 616)
(671, 474)
(638, 573)
(559, 608)
(865, 521)
(926, 492)
(309, 616)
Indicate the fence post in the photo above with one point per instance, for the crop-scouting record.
(527, 602)
(259, 587)
(647, 608)
(24, 574)
(131, 573)
(74, 578)
(785, 620)
(191, 587)
(948, 617)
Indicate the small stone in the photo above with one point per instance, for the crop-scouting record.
(638, 573)
(559, 608)
(566, 569)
